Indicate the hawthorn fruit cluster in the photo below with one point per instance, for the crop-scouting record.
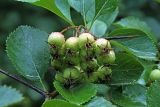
(80, 59)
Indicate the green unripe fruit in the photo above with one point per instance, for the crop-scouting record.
(85, 38)
(84, 77)
(107, 58)
(104, 70)
(86, 53)
(72, 44)
(71, 73)
(89, 66)
(59, 77)
(111, 57)
(155, 75)
(72, 58)
(92, 64)
(93, 77)
(101, 44)
(57, 64)
(56, 39)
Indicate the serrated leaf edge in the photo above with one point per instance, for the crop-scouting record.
(27, 76)
(9, 87)
(74, 102)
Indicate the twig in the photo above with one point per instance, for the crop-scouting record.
(74, 27)
(43, 93)
(68, 28)
(53, 94)
(121, 37)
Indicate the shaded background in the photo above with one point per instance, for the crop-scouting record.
(14, 14)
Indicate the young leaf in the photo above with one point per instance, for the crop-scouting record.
(77, 95)
(153, 95)
(127, 70)
(85, 7)
(28, 50)
(62, 10)
(58, 103)
(99, 102)
(131, 96)
(98, 28)
(9, 96)
(106, 11)
(64, 7)
(96, 12)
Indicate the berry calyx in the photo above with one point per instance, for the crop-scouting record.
(85, 40)
(72, 44)
(155, 75)
(56, 39)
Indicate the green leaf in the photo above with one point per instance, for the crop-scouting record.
(85, 7)
(62, 10)
(135, 23)
(127, 69)
(77, 95)
(131, 96)
(153, 95)
(98, 28)
(64, 7)
(28, 50)
(106, 11)
(9, 96)
(99, 102)
(144, 46)
(102, 89)
(126, 32)
(58, 103)
(141, 47)
(97, 14)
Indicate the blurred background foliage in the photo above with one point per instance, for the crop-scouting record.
(14, 14)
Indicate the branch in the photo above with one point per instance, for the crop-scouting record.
(120, 37)
(43, 93)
